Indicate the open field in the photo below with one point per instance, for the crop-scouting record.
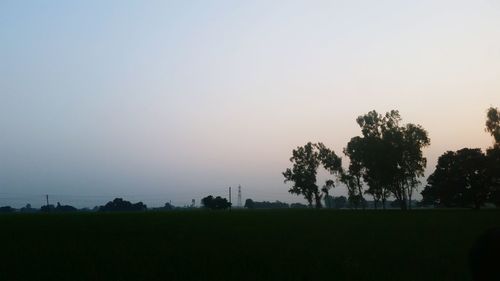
(242, 245)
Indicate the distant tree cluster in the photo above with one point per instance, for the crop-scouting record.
(339, 202)
(7, 209)
(120, 205)
(298, 206)
(166, 207)
(58, 208)
(217, 203)
(117, 205)
(250, 204)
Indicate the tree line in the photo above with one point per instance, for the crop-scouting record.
(116, 205)
(386, 161)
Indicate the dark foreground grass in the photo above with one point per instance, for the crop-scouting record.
(242, 245)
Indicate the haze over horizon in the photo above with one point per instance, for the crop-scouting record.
(155, 101)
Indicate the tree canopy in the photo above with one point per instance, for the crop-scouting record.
(306, 160)
(459, 180)
(388, 157)
(493, 124)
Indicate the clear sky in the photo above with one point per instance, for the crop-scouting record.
(173, 100)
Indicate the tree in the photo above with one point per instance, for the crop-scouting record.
(388, 156)
(120, 205)
(168, 206)
(217, 203)
(27, 209)
(306, 160)
(249, 204)
(47, 208)
(493, 124)
(352, 178)
(7, 209)
(335, 202)
(493, 173)
(459, 180)
(298, 206)
(468, 177)
(493, 154)
(329, 201)
(64, 208)
(340, 202)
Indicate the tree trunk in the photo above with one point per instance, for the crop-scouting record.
(404, 202)
(360, 193)
(409, 199)
(318, 202)
(403, 205)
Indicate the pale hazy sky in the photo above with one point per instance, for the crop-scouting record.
(173, 100)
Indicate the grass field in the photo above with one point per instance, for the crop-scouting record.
(242, 245)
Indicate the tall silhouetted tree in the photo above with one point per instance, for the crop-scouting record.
(306, 160)
(493, 154)
(388, 157)
(493, 124)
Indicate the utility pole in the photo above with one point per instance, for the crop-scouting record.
(47, 198)
(239, 196)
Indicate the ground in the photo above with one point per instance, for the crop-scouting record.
(242, 245)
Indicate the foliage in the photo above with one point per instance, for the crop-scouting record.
(7, 209)
(493, 154)
(339, 202)
(493, 124)
(47, 208)
(388, 157)
(120, 205)
(65, 208)
(298, 206)
(167, 206)
(28, 209)
(493, 173)
(250, 204)
(467, 177)
(306, 160)
(460, 180)
(217, 203)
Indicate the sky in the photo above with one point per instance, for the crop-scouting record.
(159, 101)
